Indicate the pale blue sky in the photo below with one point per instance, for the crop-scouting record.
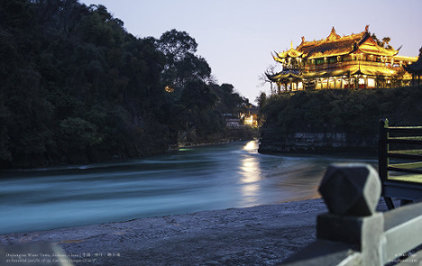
(236, 37)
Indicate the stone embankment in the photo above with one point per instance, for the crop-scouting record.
(272, 141)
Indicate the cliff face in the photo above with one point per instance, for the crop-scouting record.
(335, 120)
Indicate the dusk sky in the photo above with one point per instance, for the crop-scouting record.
(236, 37)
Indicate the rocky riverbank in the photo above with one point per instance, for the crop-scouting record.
(253, 236)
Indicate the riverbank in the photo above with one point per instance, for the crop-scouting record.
(278, 148)
(273, 142)
(253, 236)
(243, 133)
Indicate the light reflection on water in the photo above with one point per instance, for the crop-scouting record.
(250, 174)
(203, 178)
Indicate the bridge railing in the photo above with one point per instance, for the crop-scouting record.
(352, 232)
(400, 162)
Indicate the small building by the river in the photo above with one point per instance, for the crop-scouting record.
(352, 61)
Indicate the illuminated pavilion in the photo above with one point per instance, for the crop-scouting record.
(351, 61)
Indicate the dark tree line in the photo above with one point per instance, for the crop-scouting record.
(77, 87)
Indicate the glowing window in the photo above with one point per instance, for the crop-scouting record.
(371, 83)
(300, 85)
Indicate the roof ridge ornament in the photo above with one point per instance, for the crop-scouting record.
(333, 35)
(367, 28)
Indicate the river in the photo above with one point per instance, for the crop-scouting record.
(202, 178)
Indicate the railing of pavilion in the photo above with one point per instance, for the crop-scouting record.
(346, 64)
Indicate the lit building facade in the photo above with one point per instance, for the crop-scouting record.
(351, 61)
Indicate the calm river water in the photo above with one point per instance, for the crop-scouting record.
(202, 178)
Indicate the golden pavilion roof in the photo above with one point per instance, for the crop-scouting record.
(370, 46)
(284, 75)
(289, 53)
(334, 45)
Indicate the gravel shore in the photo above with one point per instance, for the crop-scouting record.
(252, 236)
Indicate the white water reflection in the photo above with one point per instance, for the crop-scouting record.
(250, 174)
(251, 146)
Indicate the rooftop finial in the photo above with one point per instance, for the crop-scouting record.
(333, 35)
(303, 39)
(291, 44)
(366, 28)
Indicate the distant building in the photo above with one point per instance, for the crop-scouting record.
(232, 121)
(250, 117)
(351, 61)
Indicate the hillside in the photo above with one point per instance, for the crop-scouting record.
(335, 120)
(77, 87)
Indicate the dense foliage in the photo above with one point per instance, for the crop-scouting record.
(353, 112)
(77, 87)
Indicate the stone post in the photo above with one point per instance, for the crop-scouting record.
(351, 193)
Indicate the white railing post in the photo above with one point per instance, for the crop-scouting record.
(351, 193)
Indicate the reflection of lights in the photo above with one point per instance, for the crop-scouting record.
(184, 149)
(250, 193)
(251, 146)
(250, 176)
(250, 170)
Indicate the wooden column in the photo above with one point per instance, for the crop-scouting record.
(357, 79)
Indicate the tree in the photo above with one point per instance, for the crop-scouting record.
(386, 41)
(76, 87)
(198, 95)
(181, 63)
(380, 43)
(176, 44)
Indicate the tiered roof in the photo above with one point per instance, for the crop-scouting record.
(335, 45)
(289, 53)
